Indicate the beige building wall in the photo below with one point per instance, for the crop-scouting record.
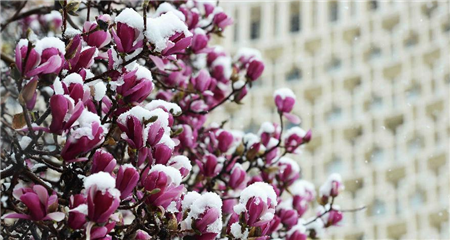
(372, 80)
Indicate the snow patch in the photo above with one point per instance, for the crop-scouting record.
(50, 42)
(131, 18)
(284, 93)
(160, 29)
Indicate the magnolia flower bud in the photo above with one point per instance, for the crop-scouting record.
(295, 137)
(289, 171)
(100, 37)
(103, 161)
(284, 100)
(222, 20)
(128, 33)
(225, 140)
(330, 188)
(78, 211)
(141, 235)
(255, 69)
(182, 163)
(166, 181)
(199, 40)
(205, 215)
(162, 153)
(136, 87)
(29, 94)
(257, 204)
(237, 177)
(83, 140)
(126, 179)
(201, 80)
(288, 217)
(61, 107)
(102, 197)
(210, 165)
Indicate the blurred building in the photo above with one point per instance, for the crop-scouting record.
(372, 80)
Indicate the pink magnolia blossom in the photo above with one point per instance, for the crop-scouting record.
(40, 206)
(103, 161)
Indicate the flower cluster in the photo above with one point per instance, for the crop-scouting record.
(111, 139)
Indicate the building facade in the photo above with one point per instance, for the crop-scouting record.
(372, 80)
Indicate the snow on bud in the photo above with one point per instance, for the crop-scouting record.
(294, 137)
(303, 193)
(97, 37)
(221, 68)
(166, 182)
(289, 171)
(137, 85)
(131, 123)
(103, 161)
(83, 139)
(102, 197)
(246, 55)
(40, 205)
(128, 33)
(51, 51)
(168, 34)
(284, 100)
(182, 163)
(330, 188)
(205, 215)
(267, 131)
(257, 203)
(126, 179)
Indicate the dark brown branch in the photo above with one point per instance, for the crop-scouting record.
(39, 10)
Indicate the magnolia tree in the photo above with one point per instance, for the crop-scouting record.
(104, 130)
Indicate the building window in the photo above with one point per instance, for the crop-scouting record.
(334, 65)
(255, 23)
(294, 75)
(295, 17)
(335, 114)
(376, 103)
(416, 201)
(379, 208)
(335, 165)
(373, 5)
(333, 11)
(377, 155)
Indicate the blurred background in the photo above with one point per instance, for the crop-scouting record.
(372, 80)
